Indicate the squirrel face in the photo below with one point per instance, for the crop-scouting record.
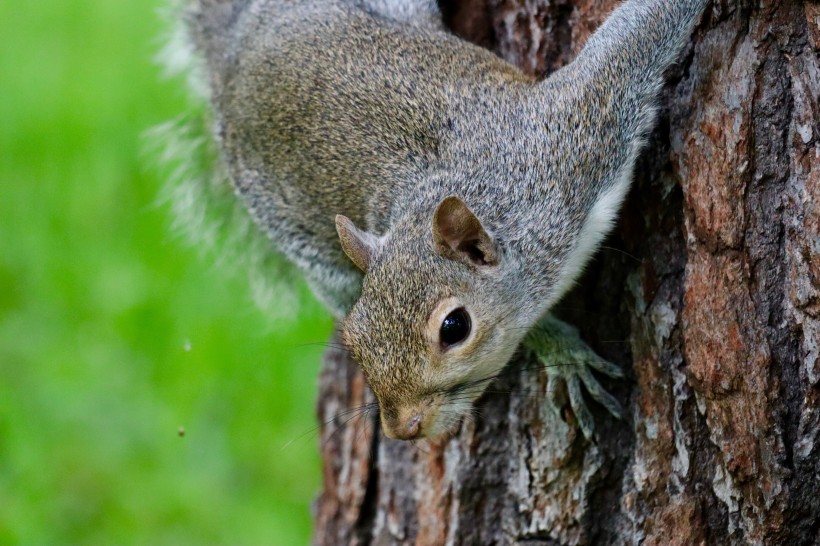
(430, 329)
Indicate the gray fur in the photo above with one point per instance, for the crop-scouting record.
(371, 110)
(205, 210)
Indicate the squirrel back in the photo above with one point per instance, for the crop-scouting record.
(325, 108)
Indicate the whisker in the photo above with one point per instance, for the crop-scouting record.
(337, 429)
(363, 430)
(624, 252)
(374, 438)
(325, 344)
(362, 408)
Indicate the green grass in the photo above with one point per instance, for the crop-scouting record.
(113, 333)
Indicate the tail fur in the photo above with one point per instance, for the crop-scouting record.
(205, 210)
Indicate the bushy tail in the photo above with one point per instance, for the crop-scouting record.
(209, 25)
(205, 210)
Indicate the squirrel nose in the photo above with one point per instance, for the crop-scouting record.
(413, 427)
(409, 430)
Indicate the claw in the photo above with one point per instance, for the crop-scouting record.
(606, 367)
(599, 393)
(576, 400)
(569, 360)
(555, 394)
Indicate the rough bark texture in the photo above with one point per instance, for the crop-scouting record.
(708, 294)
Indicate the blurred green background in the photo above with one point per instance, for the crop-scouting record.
(113, 332)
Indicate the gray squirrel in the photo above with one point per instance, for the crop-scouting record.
(436, 199)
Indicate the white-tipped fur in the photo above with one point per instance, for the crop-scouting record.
(205, 210)
(599, 222)
(177, 55)
(602, 216)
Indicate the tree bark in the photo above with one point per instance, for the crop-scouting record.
(707, 293)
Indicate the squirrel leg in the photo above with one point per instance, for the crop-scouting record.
(568, 360)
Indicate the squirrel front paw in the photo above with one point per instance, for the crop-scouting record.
(569, 360)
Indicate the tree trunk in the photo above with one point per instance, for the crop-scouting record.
(707, 293)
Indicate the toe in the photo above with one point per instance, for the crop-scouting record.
(606, 367)
(600, 394)
(579, 407)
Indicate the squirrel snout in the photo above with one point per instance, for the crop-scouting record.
(403, 429)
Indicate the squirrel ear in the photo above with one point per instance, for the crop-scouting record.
(459, 235)
(360, 246)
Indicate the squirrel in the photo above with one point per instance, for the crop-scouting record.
(438, 200)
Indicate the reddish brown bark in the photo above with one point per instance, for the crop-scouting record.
(708, 294)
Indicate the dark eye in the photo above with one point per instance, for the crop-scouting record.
(455, 328)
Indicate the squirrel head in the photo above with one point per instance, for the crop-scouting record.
(433, 324)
